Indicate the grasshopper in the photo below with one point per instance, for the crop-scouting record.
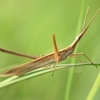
(55, 57)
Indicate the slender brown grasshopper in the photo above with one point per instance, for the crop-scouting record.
(48, 59)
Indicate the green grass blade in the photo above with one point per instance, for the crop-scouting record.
(94, 88)
(38, 72)
(71, 72)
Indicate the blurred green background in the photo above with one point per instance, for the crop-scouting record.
(27, 25)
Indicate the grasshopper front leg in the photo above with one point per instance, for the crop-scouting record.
(77, 54)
